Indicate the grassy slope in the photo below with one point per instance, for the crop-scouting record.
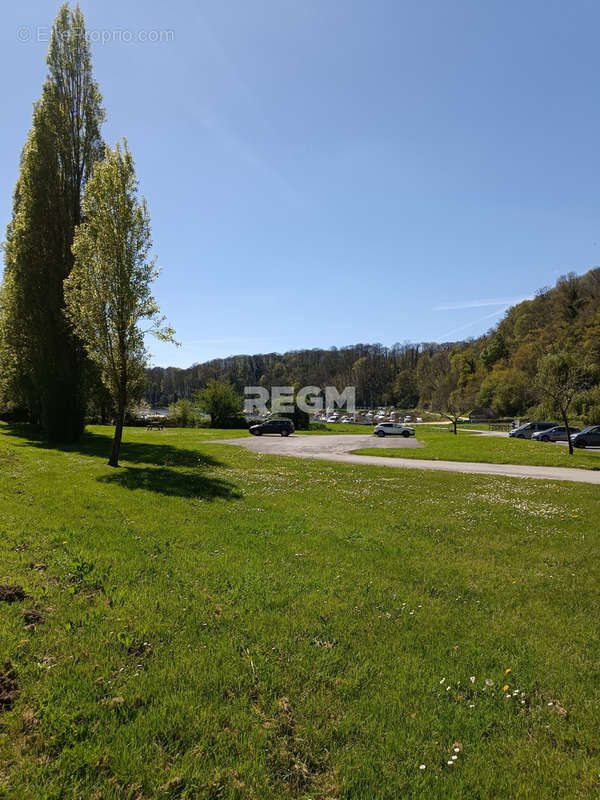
(313, 627)
(465, 446)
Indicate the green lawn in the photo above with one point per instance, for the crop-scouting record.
(221, 624)
(441, 445)
(341, 427)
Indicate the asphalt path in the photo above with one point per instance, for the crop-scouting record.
(339, 447)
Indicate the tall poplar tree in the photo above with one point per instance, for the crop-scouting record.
(42, 362)
(108, 291)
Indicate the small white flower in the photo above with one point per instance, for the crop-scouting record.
(443, 679)
(472, 678)
(450, 763)
(454, 758)
(423, 766)
(550, 704)
(457, 749)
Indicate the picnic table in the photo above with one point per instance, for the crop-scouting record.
(154, 426)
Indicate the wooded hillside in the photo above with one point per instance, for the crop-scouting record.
(496, 370)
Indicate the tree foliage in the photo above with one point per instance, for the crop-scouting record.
(108, 291)
(221, 401)
(561, 377)
(183, 414)
(42, 363)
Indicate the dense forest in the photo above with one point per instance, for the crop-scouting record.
(497, 370)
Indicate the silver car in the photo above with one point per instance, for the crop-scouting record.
(393, 429)
(557, 434)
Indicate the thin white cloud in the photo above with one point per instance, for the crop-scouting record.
(448, 334)
(504, 302)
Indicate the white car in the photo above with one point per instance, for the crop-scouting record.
(345, 419)
(393, 429)
(333, 418)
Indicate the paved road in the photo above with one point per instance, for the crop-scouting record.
(338, 447)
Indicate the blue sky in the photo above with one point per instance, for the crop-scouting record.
(328, 172)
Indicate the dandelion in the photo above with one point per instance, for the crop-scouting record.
(506, 687)
(507, 671)
(489, 682)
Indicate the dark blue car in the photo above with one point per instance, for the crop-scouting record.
(589, 437)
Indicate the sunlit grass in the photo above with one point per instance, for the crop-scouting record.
(221, 624)
(441, 445)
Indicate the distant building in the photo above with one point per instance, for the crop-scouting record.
(482, 414)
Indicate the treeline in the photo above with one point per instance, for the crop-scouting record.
(498, 370)
(382, 375)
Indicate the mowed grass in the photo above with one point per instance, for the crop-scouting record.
(220, 624)
(441, 445)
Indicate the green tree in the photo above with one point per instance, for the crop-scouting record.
(221, 401)
(509, 391)
(406, 391)
(560, 378)
(494, 351)
(183, 413)
(440, 384)
(42, 362)
(108, 291)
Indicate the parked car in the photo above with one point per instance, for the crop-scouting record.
(588, 437)
(333, 418)
(393, 429)
(526, 431)
(558, 434)
(406, 419)
(281, 426)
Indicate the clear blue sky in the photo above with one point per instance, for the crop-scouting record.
(325, 172)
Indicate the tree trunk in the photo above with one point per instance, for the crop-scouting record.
(568, 434)
(454, 426)
(113, 461)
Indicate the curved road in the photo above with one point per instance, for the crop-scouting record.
(338, 447)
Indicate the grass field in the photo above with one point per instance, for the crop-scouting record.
(441, 445)
(210, 623)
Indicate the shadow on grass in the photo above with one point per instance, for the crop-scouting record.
(98, 446)
(172, 482)
(163, 475)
